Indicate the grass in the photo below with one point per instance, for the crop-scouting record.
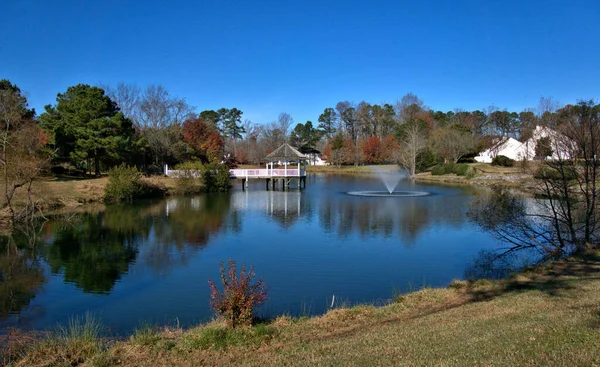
(71, 345)
(368, 169)
(65, 192)
(549, 316)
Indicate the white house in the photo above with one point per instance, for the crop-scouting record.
(518, 151)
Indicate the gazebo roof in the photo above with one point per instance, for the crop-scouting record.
(285, 153)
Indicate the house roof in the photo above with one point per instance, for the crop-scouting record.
(285, 153)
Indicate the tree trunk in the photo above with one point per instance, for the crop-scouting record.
(97, 164)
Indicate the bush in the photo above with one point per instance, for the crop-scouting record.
(503, 161)
(216, 177)
(460, 169)
(438, 170)
(124, 183)
(189, 179)
(470, 173)
(240, 296)
(447, 168)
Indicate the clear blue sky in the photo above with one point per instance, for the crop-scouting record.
(266, 57)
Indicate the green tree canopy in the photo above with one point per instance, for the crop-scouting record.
(88, 126)
(305, 136)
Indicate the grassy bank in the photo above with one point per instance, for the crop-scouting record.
(70, 192)
(550, 316)
(352, 170)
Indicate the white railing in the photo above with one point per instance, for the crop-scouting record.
(275, 172)
(246, 173)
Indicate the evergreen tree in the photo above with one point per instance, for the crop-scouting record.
(88, 126)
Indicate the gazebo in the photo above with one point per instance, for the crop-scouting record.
(294, 164)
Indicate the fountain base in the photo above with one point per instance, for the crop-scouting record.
(389, 194)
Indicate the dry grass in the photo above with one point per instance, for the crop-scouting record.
(550, 316)
(57, 193)
(368, 169)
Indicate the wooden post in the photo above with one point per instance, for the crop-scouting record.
(243, 184)
(268, 184)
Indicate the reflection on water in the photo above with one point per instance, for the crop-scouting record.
(150, 261)
(21, 275)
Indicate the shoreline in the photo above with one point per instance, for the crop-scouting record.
(431, 325)
(64, 194)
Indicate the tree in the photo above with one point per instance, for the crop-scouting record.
(341, 107)
(88, 126)
(22, 143)
(383, 119)
(407, 106)
(211, 116)
(452, 142)
(335, 150)
(232, 125)
(305, 136)
(203, 139)
(157, 113)
(413, 141)
(566, 220)
(284, 122)
(127, 97)
(543, 147)
(372, 150)
(327, 122)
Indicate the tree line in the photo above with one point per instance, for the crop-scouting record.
(93, 128)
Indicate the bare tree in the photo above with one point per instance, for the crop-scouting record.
(126, 96)
(285, 122)
(412, 143)
(21, 144)
(546, 110)
(566, 219)
(272, 135)
(452, 143)
(407, 106)
(157, 117)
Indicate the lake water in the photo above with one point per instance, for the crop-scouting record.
(149, 262)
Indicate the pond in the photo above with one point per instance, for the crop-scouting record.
(149, 262)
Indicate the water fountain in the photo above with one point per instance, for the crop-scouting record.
(390, 180)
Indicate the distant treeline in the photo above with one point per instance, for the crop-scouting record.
(93, 128)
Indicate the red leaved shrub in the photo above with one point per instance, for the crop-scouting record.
(239, 297)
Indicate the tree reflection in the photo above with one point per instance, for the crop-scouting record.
(92, 255)
(95, 251)
(406, 218)
(21, 275)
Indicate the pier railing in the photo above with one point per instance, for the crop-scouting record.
(246, 173)
(267, 173)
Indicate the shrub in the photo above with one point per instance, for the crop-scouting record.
(503, 161)
(240, 296)
(189, 179)
(470, 173)
(216, 177)
(449, 167)
(460, 169)
(438, 170)
(124, 183)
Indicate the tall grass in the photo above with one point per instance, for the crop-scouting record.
(71, 344)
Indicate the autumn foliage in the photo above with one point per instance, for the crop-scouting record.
(203, 138)
(239, 297)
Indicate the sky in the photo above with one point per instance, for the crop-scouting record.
(300, 57)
